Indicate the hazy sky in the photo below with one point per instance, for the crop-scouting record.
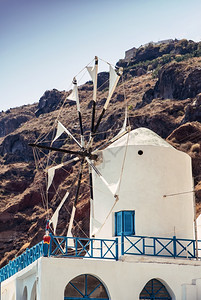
(44, 43)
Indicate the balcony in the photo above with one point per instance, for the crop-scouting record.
(107, 249)
(61, 246)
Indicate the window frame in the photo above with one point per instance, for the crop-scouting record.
(80, 285)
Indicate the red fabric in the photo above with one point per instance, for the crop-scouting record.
(46, 239)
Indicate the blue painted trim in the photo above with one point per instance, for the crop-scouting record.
(94, 289)
(87, 293)
(157, 246)
(22, 261)
(151, 291)
(77, 290)
(125, 222)
(117, 249)
(84, 247)
(104, 249)
(174, 246)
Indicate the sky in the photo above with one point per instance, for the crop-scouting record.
(44, 43)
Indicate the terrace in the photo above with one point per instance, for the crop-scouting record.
(87, 248)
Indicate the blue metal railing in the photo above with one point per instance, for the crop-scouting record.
(61, 246)
(157, 246)
(22, 261)
(79, 247)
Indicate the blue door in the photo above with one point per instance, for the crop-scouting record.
(85, 287)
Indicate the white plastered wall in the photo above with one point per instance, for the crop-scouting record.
(8, 291)
(160, 170)
(16, 284)
(122, 279)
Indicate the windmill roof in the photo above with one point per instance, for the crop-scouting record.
(141, 136)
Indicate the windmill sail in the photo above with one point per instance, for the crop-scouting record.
(74, 96)
(86, 152)
(54, 219)
(61, 129)
(95, 225)
(114, 78)
(93, 71)
(70, 226)
(51, 171)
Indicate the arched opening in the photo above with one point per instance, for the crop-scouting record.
(24, 296)
(33, 292)
(154, 289)
(85, 286)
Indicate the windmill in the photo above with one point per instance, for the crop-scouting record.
(86, 153)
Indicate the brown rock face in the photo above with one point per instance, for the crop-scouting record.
(193, 110)
(178, 81)
(187, 138)
(10, 120)
(51, 100)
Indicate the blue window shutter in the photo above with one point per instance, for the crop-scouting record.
(124, 223)
(118, 222)
(128, 222)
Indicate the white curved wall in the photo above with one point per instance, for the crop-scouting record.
(146, 178)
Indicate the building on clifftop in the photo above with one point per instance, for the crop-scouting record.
(143, 242)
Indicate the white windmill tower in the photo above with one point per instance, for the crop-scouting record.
(143, 169)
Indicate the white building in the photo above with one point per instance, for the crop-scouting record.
(142, 242)
(144, 168)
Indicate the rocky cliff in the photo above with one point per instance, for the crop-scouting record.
(162, 88)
